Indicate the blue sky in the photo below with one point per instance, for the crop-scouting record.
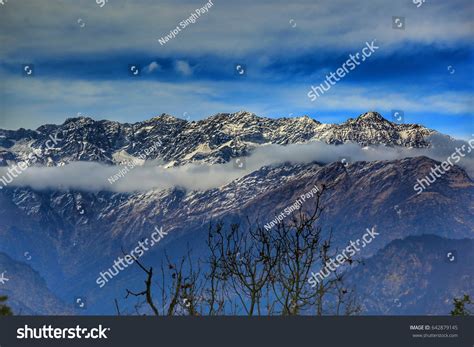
(82, 53)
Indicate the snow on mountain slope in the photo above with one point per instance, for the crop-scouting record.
(216, 139)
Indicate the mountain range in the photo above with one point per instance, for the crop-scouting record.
(216, 139)
(72, 235)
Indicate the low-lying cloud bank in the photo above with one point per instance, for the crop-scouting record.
(91, 176)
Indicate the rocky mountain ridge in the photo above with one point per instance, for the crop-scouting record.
(216, 139)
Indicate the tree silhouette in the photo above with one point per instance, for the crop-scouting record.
(4, 309)
(460, 306)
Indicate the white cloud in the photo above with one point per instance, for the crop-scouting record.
(153, 66)
(94, 176)
(183, 68)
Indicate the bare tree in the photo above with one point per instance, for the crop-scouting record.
(298, 241)
(257, 272)
(275, 266)
(331, 295)
(147, 291)
(246, 259)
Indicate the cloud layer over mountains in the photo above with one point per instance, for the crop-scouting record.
(95, 176)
